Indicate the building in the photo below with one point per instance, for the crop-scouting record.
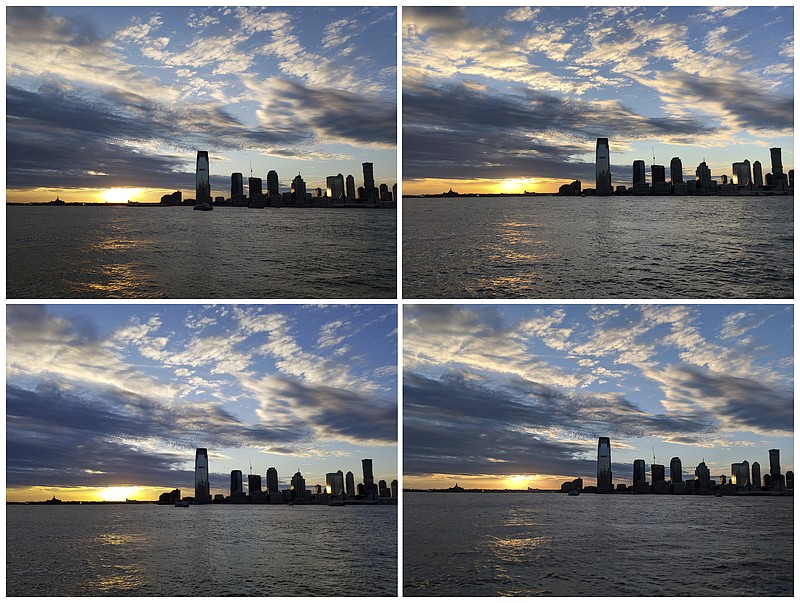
(741, 171)
(273, 188)
(395, 486)
(789, 480)
(740, 474)
(639, 174)
(758, 175)
(350, 484)
(703, 175)
(675, 470)
(676, 170)
(369, 181)
(777, 167)
(298, 487)
(658, 174)
(253, 484)
(236, 482)
(657, 473)
(604, 463)
(272, 480)
(203, 184)
(370, 490)
(237, 185)
(603, 167)
(791, 178)
(572, 189)
(756, 472)
(774, 454)
(299, 189)
(334, 483)
(639, 476)
(702, 477)
(255, 189)
(202, 489)
(350, 187)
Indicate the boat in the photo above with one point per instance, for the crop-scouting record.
(182, 504)
(573, 493)
(203, 207)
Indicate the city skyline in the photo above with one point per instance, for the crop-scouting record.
(108, 104)
(514, 397)
(128, 393)
(507, 100)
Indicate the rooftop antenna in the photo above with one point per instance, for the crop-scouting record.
(654, 154)
(251, 465)
(251, 175)
(654, 455)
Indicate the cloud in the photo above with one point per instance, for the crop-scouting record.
(532, 134)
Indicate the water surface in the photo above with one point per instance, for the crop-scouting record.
(174, 252)
(616, 545)
(598, 247)
(213, 550)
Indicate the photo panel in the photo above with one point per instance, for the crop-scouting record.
(555, 450)
(187, 450)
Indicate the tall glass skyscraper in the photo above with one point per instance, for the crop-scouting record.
(639, 468)
(775, 460)
(603, 164)
(272, 183)
(604, 465)
(350, 483)
(777, 163)
(237, 185)
(676, 170)
(639, 174)
(236, 482)
(202, 489)
(675, 470)
(203, 194)
(272, 480)
(369, 179)
(756, 470)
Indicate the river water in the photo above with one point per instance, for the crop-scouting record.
(605, 545)
(212, 550)
(598, 247)
(174, 252)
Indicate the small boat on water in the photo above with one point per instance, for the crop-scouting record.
(182, 504)
(573, 493)
(203, 207)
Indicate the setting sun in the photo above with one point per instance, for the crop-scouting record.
(117, 493)
(120, 195)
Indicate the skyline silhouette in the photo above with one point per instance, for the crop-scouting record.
(507, 100)
(108, 103)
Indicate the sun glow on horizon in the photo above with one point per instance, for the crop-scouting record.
(115, 493)
(121, 195)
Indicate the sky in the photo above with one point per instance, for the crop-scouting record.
(109, 104)
(516, 396)
(107, 402)
(512, 99)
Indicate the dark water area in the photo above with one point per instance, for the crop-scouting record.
(597, 545)
(607, 247)
(174, 252)
(214, 550)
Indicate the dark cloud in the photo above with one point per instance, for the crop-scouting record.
(54, 435)
(336, 412)
(439, 18)
(455, 131)
(751, 107)
(455, 425)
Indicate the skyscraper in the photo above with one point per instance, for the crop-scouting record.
(775, 458)
(334, 483)
(203, 192)
(298, 486)
(676, 170)
(272, 480)
(658, 174)
(758, 174)
(273, 188)
(777, 165)
(675, 470)
(741, 171)
(703, 477)
(350, 187)
(639, 467)
(236, 482)
(237, 185)
(350, 483)
(299, 189)
(370, 489)
(369, 179)
(756, 471)
(202, 489)
(604, 463)
(603, 167)
(639, 173)
(703, 175)
(253, 483)
(657, 473)
(740, 474)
